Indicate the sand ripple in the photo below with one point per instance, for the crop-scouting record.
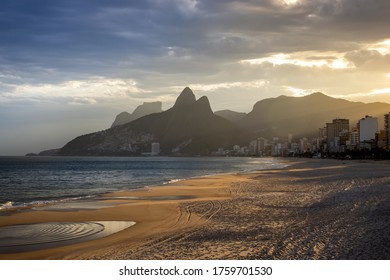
(46, 232)
(28, 237)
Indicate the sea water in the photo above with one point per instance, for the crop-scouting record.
(29, 181)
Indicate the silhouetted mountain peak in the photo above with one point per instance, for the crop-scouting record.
(318, 95)
(142, 110)
(203, 104)
(188, 128)
(147, 108)
(186, 97)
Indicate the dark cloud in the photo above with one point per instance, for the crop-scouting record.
(370, 60)
(82, 35)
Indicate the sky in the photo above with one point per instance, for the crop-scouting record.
(68, 67)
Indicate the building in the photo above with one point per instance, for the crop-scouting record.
(304, 145)
(155, 149)
(253, 148)
(289, 136)
(354, 137)
(257, 147)
(277, 149)
(337, 133)
(262, 144)
(367, 126)
(322, 133)
(380, 139)
(387, 130)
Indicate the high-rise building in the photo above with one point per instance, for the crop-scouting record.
(303, 145)
(387, 130)
(337, 134)
(368, 126)
(322, 133)
(354, 137)
(261, 145)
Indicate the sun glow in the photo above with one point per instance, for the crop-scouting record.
(305, 59)
(298, 92)
(382, 47)
(380, 91)
(290, 2)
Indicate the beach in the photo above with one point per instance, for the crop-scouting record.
(312, 209)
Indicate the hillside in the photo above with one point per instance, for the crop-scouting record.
(302, 116)
(231, 115)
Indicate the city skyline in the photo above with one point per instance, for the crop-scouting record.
(68, 67)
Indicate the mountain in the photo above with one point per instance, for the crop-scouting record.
(230, 115)
(303, 116)
(187, 97)
(142, 110)
(188, 128)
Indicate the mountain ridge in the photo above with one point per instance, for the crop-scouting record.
(302, 116)
(142, 110)
(188, 128)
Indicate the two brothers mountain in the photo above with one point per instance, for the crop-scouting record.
(191, 128)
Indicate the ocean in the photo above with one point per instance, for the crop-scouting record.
(30, 181)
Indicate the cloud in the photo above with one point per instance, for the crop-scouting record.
(218, 86)
(369, 60)
(305, 59)
(298, 91)
(94, 38)
(369, 96)
(291, 2)
(82, 101)
(383, 47)
(89, 91)
(187, 6)
(380, 91)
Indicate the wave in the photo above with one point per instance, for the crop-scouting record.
(11, 205)
(6, 205)
(173, 181)
(67, 182)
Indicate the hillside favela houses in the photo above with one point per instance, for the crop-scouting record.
(337, 137)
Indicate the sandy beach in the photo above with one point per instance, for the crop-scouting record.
(313, 209)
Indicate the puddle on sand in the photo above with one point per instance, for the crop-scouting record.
(163, 197)
(29, 237)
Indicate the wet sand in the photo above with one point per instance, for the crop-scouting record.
(314, 209)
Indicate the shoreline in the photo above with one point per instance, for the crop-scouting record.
(16, 200)
(149, 207)
(310, 210)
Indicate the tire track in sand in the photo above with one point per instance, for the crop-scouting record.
(184, 224)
